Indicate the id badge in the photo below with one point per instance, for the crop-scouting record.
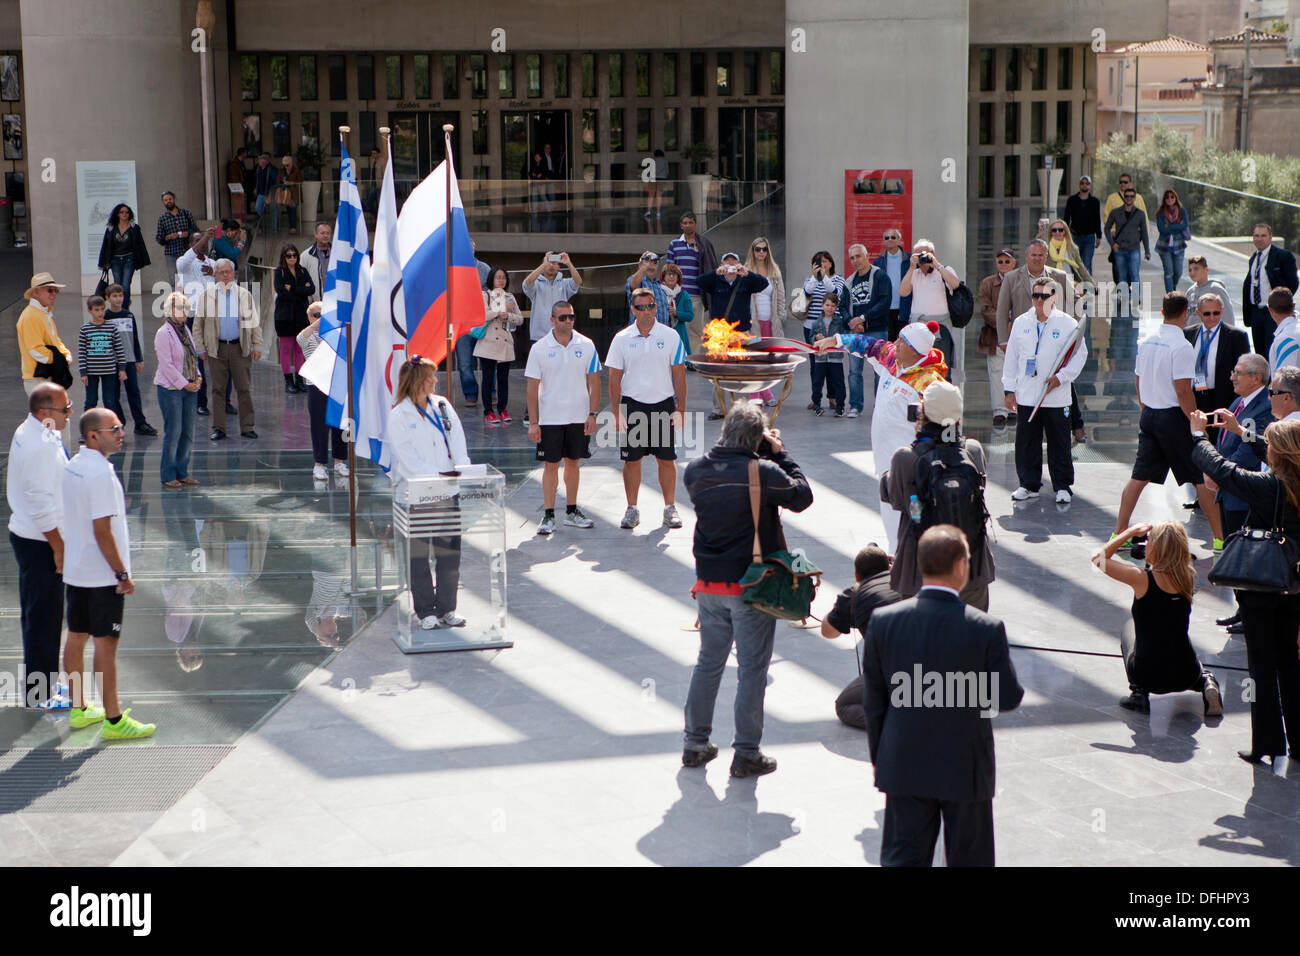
(1199, 383)
(1031, 366)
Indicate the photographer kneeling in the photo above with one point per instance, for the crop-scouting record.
(718, 485)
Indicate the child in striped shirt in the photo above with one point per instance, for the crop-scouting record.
(101, 357)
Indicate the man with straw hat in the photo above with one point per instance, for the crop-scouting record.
(36, 331)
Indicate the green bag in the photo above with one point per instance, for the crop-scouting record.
(782, 584)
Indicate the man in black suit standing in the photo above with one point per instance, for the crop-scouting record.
(1218, 346)
(937, 671)
(1270, 267)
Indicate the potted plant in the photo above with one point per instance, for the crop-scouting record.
(699, 153)
(310, 160)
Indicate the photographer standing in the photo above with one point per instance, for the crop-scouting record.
(718, 485)
(926, 286)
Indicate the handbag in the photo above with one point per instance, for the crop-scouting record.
(961, 305)
(1255, 559)
(781, 584)
(101, 287)
(799, 304)
(479, 332)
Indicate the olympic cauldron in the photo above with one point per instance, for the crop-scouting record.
(737, 363)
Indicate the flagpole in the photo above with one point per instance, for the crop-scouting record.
(446, 135)
(352, 429)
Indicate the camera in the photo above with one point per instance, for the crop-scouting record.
(731, 270)
(914, 412)
(924, 257)
(554, 258)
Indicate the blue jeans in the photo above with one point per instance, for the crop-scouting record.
(1129, 264)
(123, 268)
(178, 431)
(1087, 245)
(465, 367)
(725, 619)
(856, 363)
(1172, 260)
(112, 393)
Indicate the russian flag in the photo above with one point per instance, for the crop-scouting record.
(423, 229)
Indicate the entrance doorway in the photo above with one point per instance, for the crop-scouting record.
(751, 147)
(524, 141)
(418, 147)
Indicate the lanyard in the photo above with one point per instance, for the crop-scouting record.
(434, 420)
(1206, 343)
(1038, 327)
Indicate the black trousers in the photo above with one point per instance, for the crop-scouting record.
(40, 598)
(427, 598)
(830, 374)
(323, 437)
(1054, 423)
(1275, 673)
(496, 381)
(1261, 327)
(894, 325)
(912, 829)
(1076, 415)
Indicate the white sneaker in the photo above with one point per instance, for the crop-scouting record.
(671, 517)
(319, 473)
(1023, 494)
(631, 517)
(452, 619)
(1063, 497)
(341, 469)
(430, 623)
(577, 519)
(851, 413)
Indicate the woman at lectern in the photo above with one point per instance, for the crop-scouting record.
(425, 438)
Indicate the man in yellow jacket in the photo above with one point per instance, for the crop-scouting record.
(36, 329)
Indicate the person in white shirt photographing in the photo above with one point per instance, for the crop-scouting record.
(426, 438)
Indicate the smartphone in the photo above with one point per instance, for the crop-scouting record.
(554, 258)
(914, 412)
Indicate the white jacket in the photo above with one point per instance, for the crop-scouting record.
(1022, 342)
(418, 447)
(34, 485)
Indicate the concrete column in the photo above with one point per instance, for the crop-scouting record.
(881, 85)
(114, 80)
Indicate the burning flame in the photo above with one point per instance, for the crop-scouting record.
(722, 337)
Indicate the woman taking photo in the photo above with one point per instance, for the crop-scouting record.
(426, 438)
(680, 308)
(293, 291)
(815, 287)
(1161, 659)
(1175, 233)
(1271, 621)
(496, 349)
(123, 252)
(178, 383)
(1062, 253)
(323, 436)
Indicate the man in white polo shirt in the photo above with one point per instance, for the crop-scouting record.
(34, 487)
(563, 375)
(1285, 347)
(1165, 368)
(97, 572)
(647, 391)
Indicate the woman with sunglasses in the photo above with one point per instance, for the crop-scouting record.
(293, 291)
(1175, 233)
(178, 382)
(1062, 253)
(425, 438)
(767, 307)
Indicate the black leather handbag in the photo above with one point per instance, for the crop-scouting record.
(1257, 560)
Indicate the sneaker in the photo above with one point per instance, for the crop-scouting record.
(248, 434)
(451, 619)
(1063, 497)
(671, 517)
(217, 435)
(1213, 697)
(57, 702)
(79, 717)
(526, 422)
(547, 524)
(491, 418)
(128, 728)
(504, 418)
(430, 623)
(631, 517)
(341, 469)
(202, 410)
(1218, 546)
(145, 429)
(319, 472)
(812, 407)
(577, 519)
(698, 758)
(852, 413)
(756, 766)
(839, 413)
(1023, 494)
(1137, 701)
(999, 421)
(819, 410)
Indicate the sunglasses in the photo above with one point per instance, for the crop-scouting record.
(1211, 314)
(760, 248)
(1057, 229)
(1042, 295)
(66, 409)
(116, 429)
(569, 316)
(1130, 195)
(647, 307)
(1275, 392)
(291, 255)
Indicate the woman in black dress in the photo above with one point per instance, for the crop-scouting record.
(1271, 621)
(294, 291)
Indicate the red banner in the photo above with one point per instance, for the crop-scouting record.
(876, 200)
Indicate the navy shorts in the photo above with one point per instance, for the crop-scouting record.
(1165, 445)
(95, 611)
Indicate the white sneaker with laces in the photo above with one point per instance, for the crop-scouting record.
(851, 413)
(430, 623)
(1023, 494)
(631, 517)
(1063, 497)
(341, 469)
(577, 519)
(319, 473)
(452, 619)
(671, 517)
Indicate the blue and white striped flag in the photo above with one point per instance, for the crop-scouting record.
(347, 289)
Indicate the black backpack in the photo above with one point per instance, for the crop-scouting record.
(950, 490)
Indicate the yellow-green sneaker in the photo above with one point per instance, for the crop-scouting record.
(128, 728)
(80, 717)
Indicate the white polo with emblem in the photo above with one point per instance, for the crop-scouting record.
(91, 490)
(647, 362)
(562, 397)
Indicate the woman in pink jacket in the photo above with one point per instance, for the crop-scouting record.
(178, 382)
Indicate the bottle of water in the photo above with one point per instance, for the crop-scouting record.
(914, 509)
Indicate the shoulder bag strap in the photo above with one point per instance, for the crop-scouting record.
(755, 493)
(1277, 508)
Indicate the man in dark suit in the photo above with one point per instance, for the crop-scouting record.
(1270, 267)
(1218, 346)
(852, 611)
(936, 672)
(1251, 405)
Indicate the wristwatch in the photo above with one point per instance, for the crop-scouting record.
(123, 575)
(1198, 434)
